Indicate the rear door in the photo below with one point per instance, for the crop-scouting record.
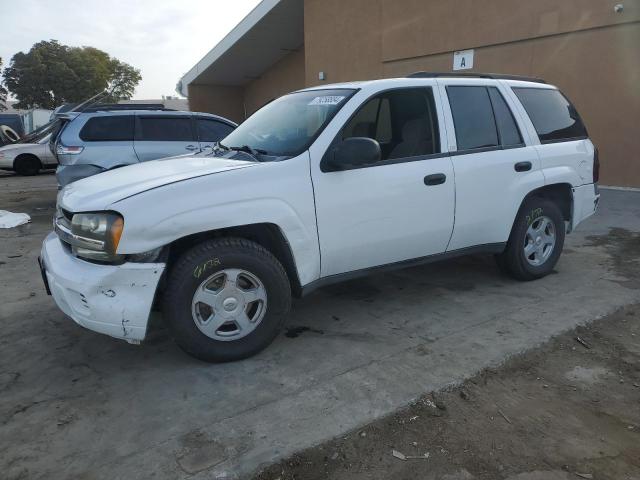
(210, 131)
(159, 136)
(494, 161)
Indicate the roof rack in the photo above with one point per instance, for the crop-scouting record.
(106, 107)
(495, 76)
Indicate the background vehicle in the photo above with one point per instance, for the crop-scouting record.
(11, 128)
(322, 185)
(29, 155)
(106, 137)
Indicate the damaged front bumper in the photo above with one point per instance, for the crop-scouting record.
(112, 299)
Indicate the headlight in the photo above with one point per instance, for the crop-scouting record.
(96, 235)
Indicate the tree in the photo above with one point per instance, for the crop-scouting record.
(3, 94)
(51, 74)
(123, 80)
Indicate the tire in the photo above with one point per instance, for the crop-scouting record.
(537, 219)
(9, 133)
(227, 270)
(27, 165)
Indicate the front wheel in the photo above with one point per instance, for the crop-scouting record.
(536, 241)
(226, 299)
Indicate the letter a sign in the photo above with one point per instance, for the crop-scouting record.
(463, 60)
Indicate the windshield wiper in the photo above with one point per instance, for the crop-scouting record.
(249, 149)
(254, 152)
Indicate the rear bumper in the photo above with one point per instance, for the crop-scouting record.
(66, 174)
(112, 299)
(585, 203)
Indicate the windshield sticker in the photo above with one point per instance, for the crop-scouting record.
(327, 100)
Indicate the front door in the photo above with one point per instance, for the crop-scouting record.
(397, 209)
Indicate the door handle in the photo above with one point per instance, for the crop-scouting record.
(435, 179)
(191, 148)
(522, 166)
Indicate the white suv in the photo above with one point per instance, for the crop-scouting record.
(322, 185)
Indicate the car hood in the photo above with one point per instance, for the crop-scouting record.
(100, 191)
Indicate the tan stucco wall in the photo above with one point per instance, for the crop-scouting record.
(342, 39)
(225, 101)
(236, 103)
(591, 52)
(285, 76)
(583, 46)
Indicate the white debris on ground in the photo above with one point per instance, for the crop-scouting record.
(10, 219)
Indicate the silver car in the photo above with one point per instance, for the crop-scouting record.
(28, 156)
(88, 143)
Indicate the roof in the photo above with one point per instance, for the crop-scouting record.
(394, 82)
(494, 76)
(147, 112)
(270, 31)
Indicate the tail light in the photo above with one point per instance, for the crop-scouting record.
(68, 150)
(596, 166)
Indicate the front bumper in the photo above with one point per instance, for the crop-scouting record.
(112, 299)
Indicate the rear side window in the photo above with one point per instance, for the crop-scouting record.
(473, 117)
(212, 130)
(108, 129)
(507, 128)
(164, 129)
(553, 116)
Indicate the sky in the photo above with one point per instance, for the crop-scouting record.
(162, 38)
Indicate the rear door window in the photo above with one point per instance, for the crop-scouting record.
(164, 129)
(112, 128)
(553, 116)
(212, 130)
(473, 117)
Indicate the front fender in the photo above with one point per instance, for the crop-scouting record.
(279, 193)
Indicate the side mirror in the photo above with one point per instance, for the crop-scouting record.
(351, 153)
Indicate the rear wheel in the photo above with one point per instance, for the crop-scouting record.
(27, 165)
(226, 299)
(536, 241)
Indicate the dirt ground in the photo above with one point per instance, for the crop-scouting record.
(75, 404)
(569, 409)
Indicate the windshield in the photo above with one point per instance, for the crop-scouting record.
(288, 125)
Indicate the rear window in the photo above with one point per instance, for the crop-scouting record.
(553, 116)
(212, 130)
(165, 129)
(108, 129)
